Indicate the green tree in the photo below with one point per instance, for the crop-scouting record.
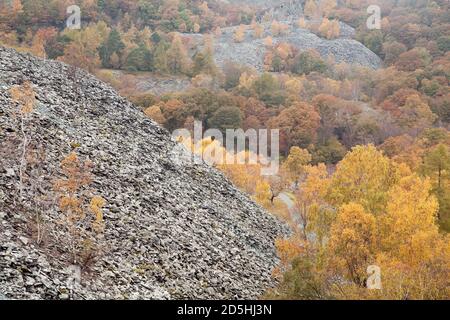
(436, 165)
(140, 59)
(373, 40)
(268, 89)
(307, 62)
(443, 43)
(112, 45)
(227, 117)
(332, 151)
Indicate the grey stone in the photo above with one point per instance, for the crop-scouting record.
(24, 240)
(161, 239)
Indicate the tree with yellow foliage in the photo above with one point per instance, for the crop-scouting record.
(196, 28)
(239, 34)
(316, 214)
(275, 28)
(296, 162)
(364, 176)
(288, 250)
(436, 165)
(409, 225)
(311, 9)
(278, 28)
(16, 9)
(329, 29)
(352, 243)
(327, 6)
(178, 60)
(258, 30)
(284, 50)
(385, 218)
(302, 23)
(83, 52)
(428, 281)
(82, 242)
(262, 193)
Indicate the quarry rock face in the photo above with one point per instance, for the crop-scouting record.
(173, 228)
(251, 51)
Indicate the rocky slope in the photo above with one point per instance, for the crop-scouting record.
(251, 51)
(281, 10)
(173, 229)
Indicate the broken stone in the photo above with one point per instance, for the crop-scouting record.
(160, 240)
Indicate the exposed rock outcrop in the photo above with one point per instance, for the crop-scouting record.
(251, 51)
(173, 229)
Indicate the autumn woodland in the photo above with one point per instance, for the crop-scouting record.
(364, 177)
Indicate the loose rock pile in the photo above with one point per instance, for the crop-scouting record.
(174, 229)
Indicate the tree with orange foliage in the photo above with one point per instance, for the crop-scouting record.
(410, 110)
(268, 41)
(155, 113)
(178, 60)
(217, 31)
(417, 58)
(298, 125)
(278, 28)
(16, 9)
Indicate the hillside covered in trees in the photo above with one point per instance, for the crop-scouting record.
(363, 114)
